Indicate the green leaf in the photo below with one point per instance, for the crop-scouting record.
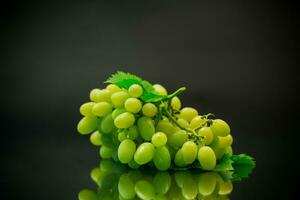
(225, 164)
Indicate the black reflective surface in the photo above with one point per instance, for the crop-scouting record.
(236, 58)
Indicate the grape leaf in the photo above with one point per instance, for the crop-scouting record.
(125, 80)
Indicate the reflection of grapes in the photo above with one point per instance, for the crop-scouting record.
(117, 182)
(161, 133)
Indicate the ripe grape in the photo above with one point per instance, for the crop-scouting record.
(149, 109)
(225, 141)
(144, 153)
(118, 98)
(107, 124)
(133, 132)
(86, 109)
(101, 109)
(189, 152)
(87, 125)
(124, 120)
(207, 158)
(220, 128)
(183, 123)
(135, 90)
(165, 126)
(179, 161)
(176, 103)
(159, 139)
(98, 95)
(162, 158)
(133, 105)
(146, 128)
(126, 151)
(117, 112)
(177, 139)
(105, 152)
(113, 88)
(95, 138)
(196, 122)
(188, 113)
(160, 89)
(207, 134)
(87, 194)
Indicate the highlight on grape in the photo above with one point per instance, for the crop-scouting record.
(139, 124)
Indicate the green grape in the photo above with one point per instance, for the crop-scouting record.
(162, 182)
(225, 141)
(144, 153)
(86, 109)
(117, 112)
(126, 187)
(229, 150)
(95, 174)
(176, 103)
(159, 139)
(183, 123)
(178, 160)
(189, 189)
(207, 158)
(162, 158)
(95, 138)
(160, 89)
(132, 164)
(207, 183)
(124, 120)
(133, 105)
(107, 140)
(101, 109)
(107, 124)
(149, 110)
(113, 88)
(135, 90)
(122, 136)
(172, 151)
(188, 113)
(207, 134)
(178, 139)
(87, 194)
(118, 98)
(189, 152)
(126, 151)
(105, 152)
(98, 95)
(225, 187)
(133, 132)
(160, 197)
(144, 190)
(166, 127)
(220, 128)
(146, 128)
(87, 125)
(196, 122)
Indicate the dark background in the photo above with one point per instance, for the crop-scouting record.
(236, 58)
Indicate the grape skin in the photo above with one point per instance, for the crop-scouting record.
(159, 139)
(135, 90)
(149, 109)
(133, 105)
(126, 151)
(144, 153)
(124, 120)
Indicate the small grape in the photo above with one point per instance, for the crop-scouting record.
(207, 134)
(144, 190)
(135, 90)
(124, 120)
(183, 123)
(160, 89)
(133, 132)
(122, 136)
(101, 109)
(189, 152)
(126, 151)
(166, 127)
(86, 109)
(179, 161)
(162, 158)
(207, 158)
(98, 95)
(159, 139)
(225, 141)
(144, 153)
(133, 105)
(117, 112)
(87, 194)
(107, 124)
(146, 128)
(113, 88)
(188, 113)
(220, 128)
(177, 139)
(95, 138)
(196, 122)
(95, 174)
(118, 98)
(176, 103)
(105, 152)
(87, 125)
(149, 109)
(126, 187)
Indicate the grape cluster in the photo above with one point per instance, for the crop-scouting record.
(116, 182)
(160, 133)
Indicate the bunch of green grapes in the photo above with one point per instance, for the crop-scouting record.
(160, 133)
(116, 182)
